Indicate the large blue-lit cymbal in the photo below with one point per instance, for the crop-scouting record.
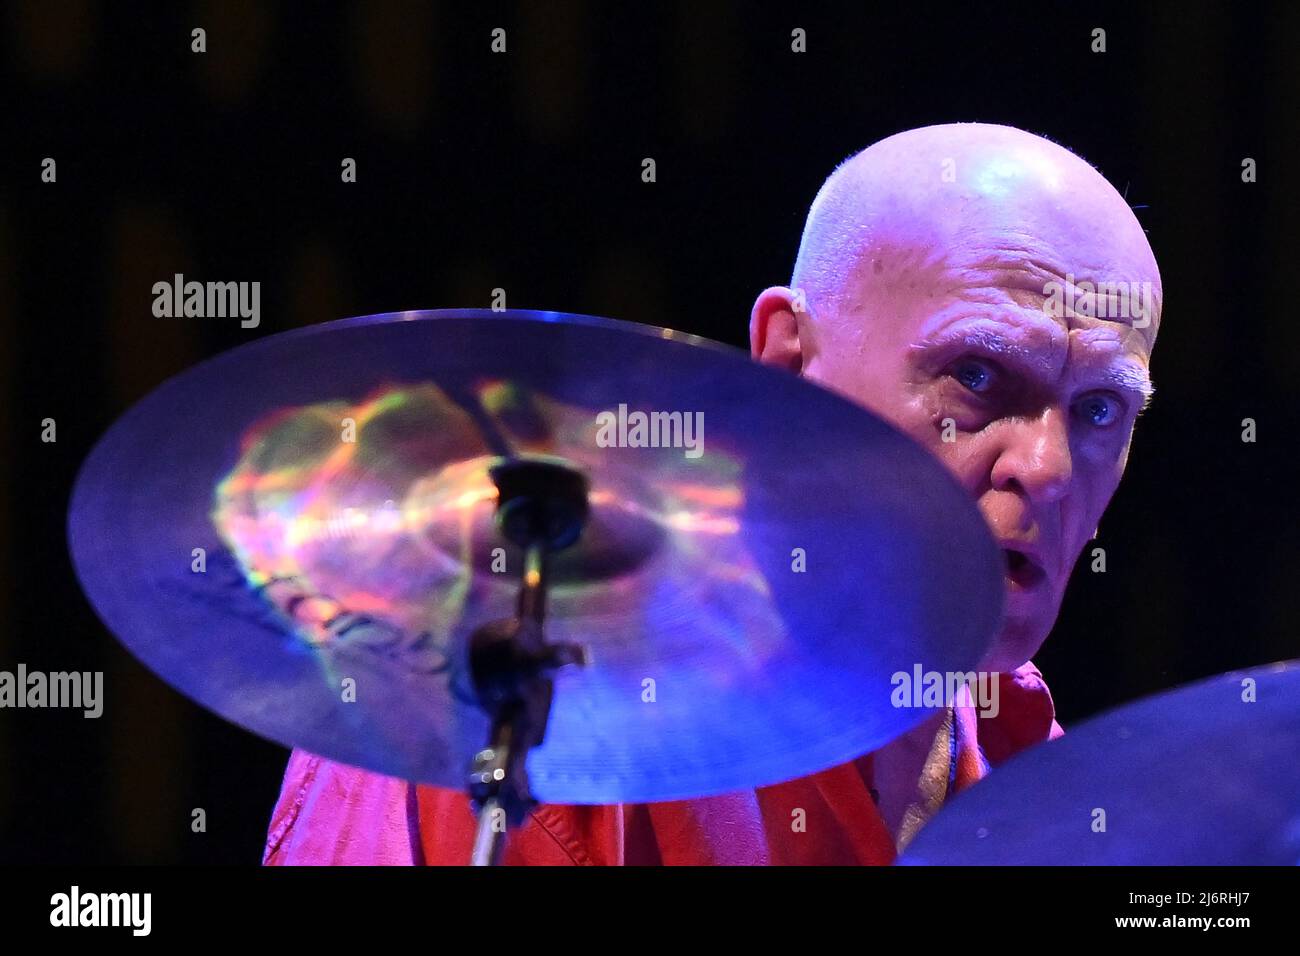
(298, 535)
(1203, 775)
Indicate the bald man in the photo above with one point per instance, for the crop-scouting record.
(991, 295)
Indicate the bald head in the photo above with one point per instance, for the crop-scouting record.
(970, 193)
(992, 296)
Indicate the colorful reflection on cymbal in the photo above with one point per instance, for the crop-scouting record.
(386, 508)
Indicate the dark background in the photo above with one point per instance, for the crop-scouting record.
(522, 171)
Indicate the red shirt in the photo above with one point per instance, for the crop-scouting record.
(332, 814)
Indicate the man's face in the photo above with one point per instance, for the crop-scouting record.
(1032, 413)
(954, 341)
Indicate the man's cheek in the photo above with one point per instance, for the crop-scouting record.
(963, 456)
(929, 431)
(926, 418)
(918, 410)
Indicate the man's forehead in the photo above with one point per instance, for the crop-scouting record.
(1025, 277)
(1077, 295)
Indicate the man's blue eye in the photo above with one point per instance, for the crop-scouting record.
(1098, 410)
(976, 376)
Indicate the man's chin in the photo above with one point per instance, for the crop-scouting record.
(1016, 643)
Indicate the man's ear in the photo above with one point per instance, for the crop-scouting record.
(774, 329)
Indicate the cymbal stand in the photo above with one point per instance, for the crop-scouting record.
(541, 507)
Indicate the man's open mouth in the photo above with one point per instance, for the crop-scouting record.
(1022, 570)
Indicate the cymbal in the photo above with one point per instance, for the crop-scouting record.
(1201, 775)
(745, 590)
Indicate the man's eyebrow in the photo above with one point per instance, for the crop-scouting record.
(986, 339)
(1129, 377)
(1124, 376)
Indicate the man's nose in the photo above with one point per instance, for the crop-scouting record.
(1036, 457)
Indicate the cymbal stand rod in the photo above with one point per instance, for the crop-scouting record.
(541, 507)
(489, 839)
(532, 593)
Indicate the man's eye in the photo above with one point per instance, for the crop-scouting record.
(1098, 410)
(976, 376)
